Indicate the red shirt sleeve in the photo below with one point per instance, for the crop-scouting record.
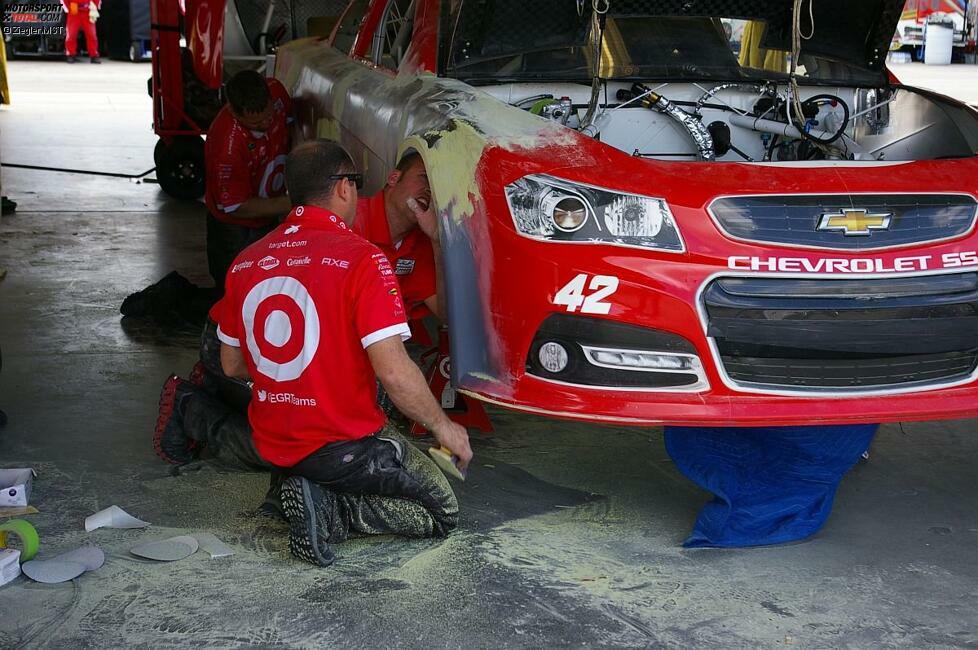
(228, 319)
(214, 313)
(378, 312)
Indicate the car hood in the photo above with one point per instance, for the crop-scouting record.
(854, 33)
(844, 40)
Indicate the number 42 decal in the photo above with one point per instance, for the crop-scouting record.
(572, 295)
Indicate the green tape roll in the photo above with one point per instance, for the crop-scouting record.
(29, 539)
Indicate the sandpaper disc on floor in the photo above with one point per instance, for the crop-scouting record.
(91, 557)
(167, 550)
(52, 571)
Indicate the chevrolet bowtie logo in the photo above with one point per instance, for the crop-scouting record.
(854, 222)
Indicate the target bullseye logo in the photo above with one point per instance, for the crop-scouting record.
(282, 327)
(273, 181)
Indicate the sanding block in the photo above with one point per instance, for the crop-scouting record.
(447, 462)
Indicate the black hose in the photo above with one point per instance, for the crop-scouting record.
(845, 119)
(78, 171)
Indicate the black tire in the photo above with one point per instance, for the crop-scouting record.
(158, 152)
(180, 167)
(136, 53)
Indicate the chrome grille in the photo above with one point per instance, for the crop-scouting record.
(795, 220)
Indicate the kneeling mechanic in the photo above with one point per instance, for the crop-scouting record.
(313, 316)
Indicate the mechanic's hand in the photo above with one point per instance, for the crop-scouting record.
(455, 438)
(427, 219)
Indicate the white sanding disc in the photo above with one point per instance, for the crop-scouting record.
(52, 571)
(167, 550)
(91, 557)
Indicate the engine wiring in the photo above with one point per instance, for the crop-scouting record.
(795, 103)
(799, 115)
(712, 93)
(599, 16)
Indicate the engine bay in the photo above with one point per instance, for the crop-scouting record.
(756, 122)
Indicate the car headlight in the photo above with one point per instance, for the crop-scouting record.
(551, 209)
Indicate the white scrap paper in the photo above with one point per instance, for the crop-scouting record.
(212, 545)
(113, 517)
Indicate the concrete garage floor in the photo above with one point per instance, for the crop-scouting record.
(570, 533)
(959, 81)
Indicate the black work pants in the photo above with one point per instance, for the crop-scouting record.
(382, 484)
(223, 431)
(224, 242)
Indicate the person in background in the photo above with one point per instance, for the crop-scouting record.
(81, 15)
(399, 220)
(244, 160)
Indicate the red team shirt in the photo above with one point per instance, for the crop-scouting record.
(241, 164)
(413, 257)
(413, 260)
(303, 304)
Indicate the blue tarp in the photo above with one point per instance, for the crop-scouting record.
(772, 484)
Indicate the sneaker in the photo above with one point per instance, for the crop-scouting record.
(169, 440)
(95, 59)
(308, 509)
(271, 507)
(71, 59)
(160, 299)
(197, 374)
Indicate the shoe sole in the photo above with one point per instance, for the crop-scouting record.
(167, 400)
(303, 533)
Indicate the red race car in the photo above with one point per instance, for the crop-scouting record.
(701, 212)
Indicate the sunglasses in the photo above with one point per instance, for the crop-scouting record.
(355, 178)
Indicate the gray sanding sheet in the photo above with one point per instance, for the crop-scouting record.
(213, 546)
(52, 571)
(66, 566)
(167, 550)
